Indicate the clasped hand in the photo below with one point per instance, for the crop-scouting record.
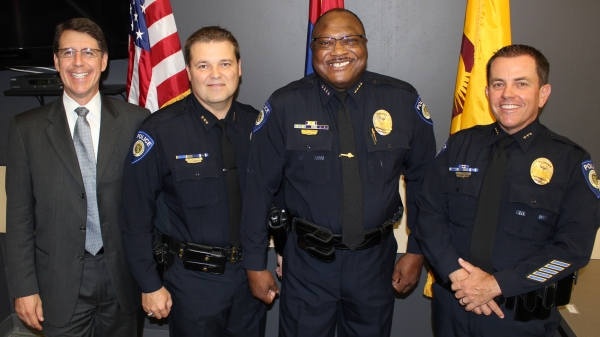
(475, 289)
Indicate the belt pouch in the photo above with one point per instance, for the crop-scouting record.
(278, 228)
(162, 257)
(203, 258)
(526, 304)
(563, 291)
(317, 241)
(545, 302)
(510, 303)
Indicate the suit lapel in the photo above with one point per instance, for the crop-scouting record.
(110, 128)
(60, 137)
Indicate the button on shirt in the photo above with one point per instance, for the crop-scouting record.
(285, 149)
(194, 191)
(537, 223)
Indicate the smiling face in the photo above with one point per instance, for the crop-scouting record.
(214, 73)
(514, 92)
(80, 76)
(342, 66)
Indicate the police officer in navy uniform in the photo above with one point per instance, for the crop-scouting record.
(296, 144)
(180, 154)
(547, 216)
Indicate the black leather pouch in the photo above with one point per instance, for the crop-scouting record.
(317, 241)
(204, 258)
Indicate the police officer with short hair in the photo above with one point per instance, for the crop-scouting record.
(337, 141)
(507, 212)
(193, 154)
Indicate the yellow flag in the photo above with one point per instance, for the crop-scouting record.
(487, 29)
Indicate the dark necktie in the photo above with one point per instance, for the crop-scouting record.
(488, 208)
(233, 185)
(82, 139)
(351, 209)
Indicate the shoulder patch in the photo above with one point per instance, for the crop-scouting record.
(262, 116)
(589, 174)
(142, 145)
(421, 110)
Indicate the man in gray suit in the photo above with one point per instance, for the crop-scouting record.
(65, 258)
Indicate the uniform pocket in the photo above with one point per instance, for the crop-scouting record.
(462, 195)
(309, 157)
(196, 183)
(532, 212)
(385, 156)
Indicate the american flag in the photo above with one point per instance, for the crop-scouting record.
(317, 8)
(156, 75)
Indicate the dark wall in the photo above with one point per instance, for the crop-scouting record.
(415, 40)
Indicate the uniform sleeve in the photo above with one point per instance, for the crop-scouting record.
(143, 183)
(431, 230)
(20, 219)
(420, 155)
(265, 173)
(571, 245)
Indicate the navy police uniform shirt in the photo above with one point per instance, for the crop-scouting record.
(295, 143)
(177, 152)
(549, 210)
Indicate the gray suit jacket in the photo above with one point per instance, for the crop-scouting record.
(46, 207)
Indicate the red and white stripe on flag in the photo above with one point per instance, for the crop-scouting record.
(156, 75)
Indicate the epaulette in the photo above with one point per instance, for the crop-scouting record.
(555, 136)
(305, 82)
(378, 79)
(474, 127)
(474, 131)
(247, 108)
(167, 113)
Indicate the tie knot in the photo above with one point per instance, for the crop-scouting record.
(341, 96)
(506, 141)
(222, 124)
(82, 111)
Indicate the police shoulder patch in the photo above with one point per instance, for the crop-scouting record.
(142, 145)
(421, 110)
(589, 174)
(262, 116)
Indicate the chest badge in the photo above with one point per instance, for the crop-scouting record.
(382, 121)
(310, 128)
(463, 170)
(541, 171)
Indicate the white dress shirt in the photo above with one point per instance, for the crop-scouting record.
(93, 117)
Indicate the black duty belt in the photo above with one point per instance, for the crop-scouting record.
(200, 257)
(321, 243)
(536, 304)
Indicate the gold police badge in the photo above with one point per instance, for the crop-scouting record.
(541, 171)
(382, 121)
(260, 117)
(426, 112)
(593, 178)
(138, 148)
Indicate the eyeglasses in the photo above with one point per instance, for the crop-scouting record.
(87, 53)
(329, 42)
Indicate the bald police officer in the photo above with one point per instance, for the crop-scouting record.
(337, 141)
